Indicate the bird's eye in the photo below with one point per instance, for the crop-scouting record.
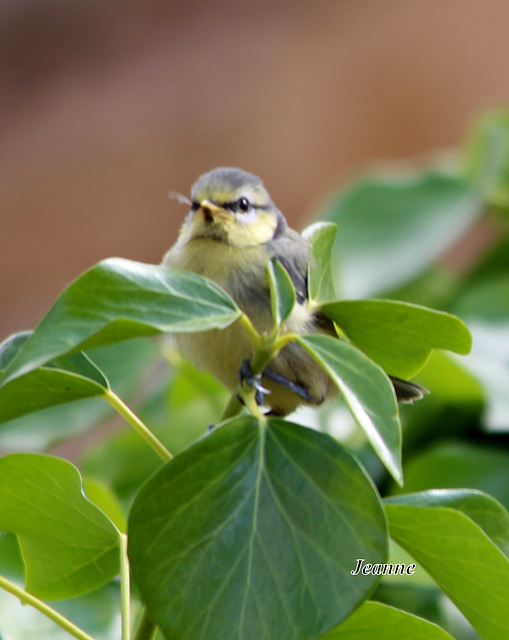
(243, 204)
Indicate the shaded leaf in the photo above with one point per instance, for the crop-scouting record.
(121, 299)
(123, 365)
(486, 308)
(461, 538)
(42, 388)
(282, 292)
(394, 226)
(456, 464)
(376, 620)
(320, 237)
(368, 393)
(69, 546)
(252, 532)
(398, 336)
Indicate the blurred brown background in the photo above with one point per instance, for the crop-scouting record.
(107, 106)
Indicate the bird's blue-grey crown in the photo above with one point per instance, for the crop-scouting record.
(224, 179)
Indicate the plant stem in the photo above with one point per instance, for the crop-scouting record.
(49, 612)
(253, 334)
(125, 589)
(135, 422)
(146, 629)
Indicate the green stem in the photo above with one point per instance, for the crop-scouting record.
(135, 422)
(125, 589)
(49, 612)
(146, 629)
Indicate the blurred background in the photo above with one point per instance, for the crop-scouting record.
(106, 107)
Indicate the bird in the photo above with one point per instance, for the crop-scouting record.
(233, 229)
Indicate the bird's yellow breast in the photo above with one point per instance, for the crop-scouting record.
(232, 268)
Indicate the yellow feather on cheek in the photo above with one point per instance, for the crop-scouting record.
(251, 229)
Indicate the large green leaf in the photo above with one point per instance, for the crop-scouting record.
(486, 157)
(252, 532)
(376, 620)
(461, 538)
(320, 237)
(367, 392)
(393, 226)
(120, 299)
(69, 546)
(399, 336)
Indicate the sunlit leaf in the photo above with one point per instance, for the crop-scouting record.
(120, 299)
(69, 546)
(321, 237)
(461, 538)
(398, 336)
(376, 620)
(367, 392)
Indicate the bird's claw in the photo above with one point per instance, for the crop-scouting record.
(254, 380)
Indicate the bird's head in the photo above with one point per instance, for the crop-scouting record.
(233, 207)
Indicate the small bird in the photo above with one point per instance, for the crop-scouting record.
(231, 232)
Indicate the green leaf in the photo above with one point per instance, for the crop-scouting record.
(486, 308)
(123, 366)
(376, 620)
(320, 237)
(120, 299)
(42, 388)
(68, 378)
(69, 546)
(461, 538)
(282, 291)
(252, 532)
(394, 226)
(367, 392)
(398, 336)
(103, 497)
(456, 464)
(450, 381)
(486, 157)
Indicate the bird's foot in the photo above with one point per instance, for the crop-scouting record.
(288, 384)
(254, 380)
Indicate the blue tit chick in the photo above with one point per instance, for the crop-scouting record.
(231, 232)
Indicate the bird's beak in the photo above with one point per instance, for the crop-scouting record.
(212, 211)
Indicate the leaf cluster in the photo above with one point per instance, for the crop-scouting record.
(252, 529)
